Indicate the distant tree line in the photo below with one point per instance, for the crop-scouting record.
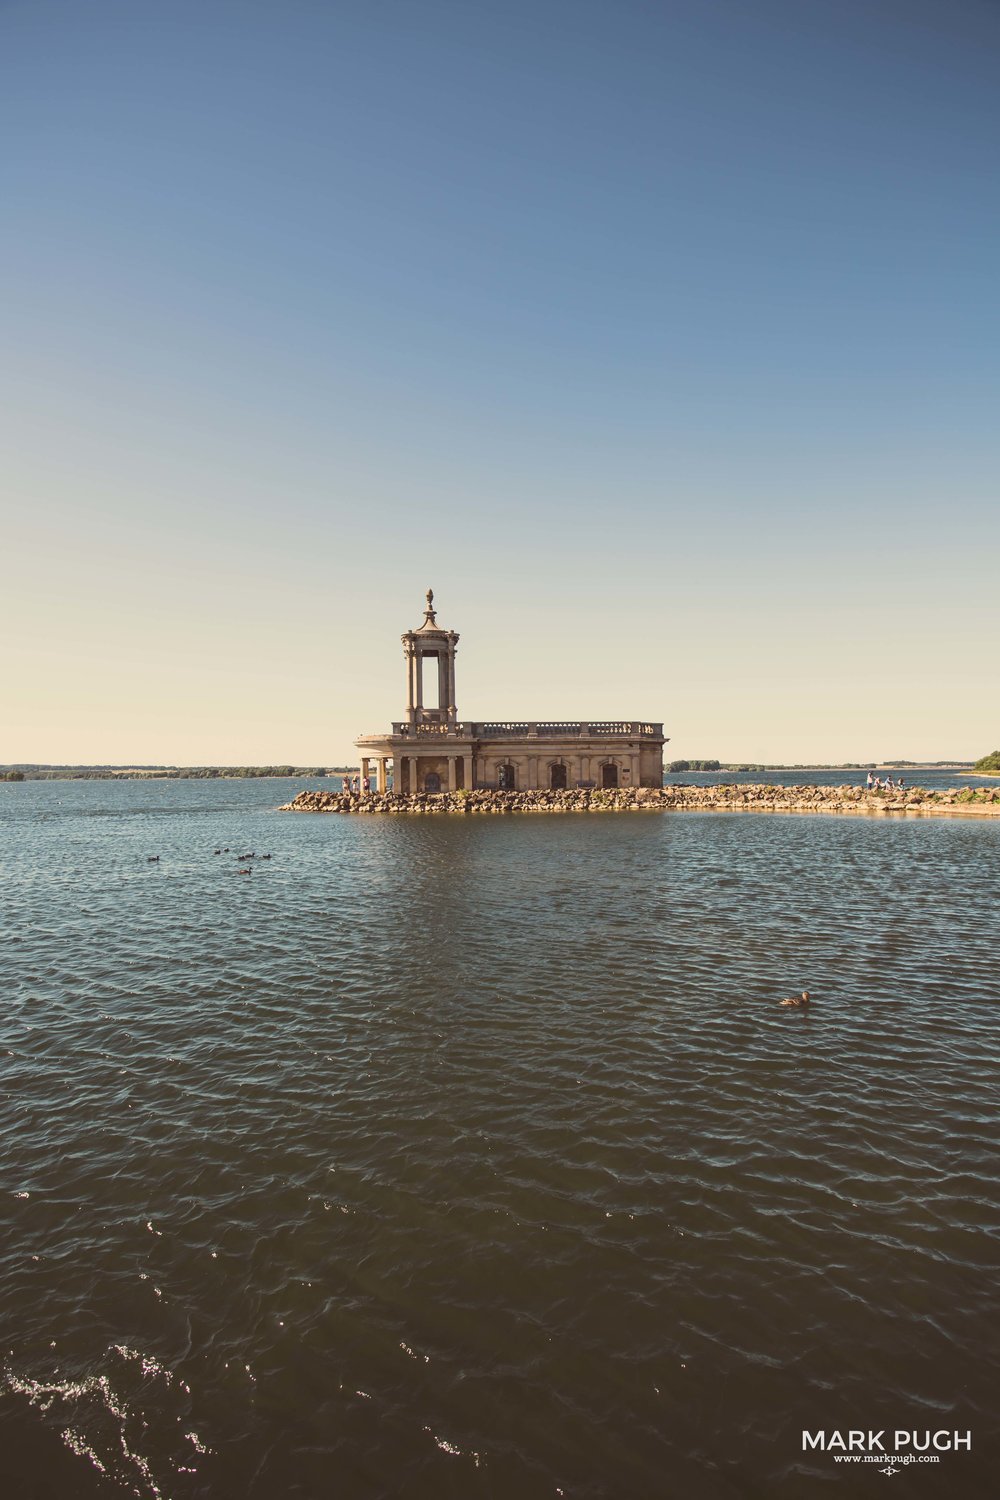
(198, 773)
(988, 763)
(146, 773)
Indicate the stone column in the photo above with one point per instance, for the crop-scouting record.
(409, 684)
(414, 786)
(364, 772)
(380, 766)
(585, 768)
(467, 772)
(451, 773)
(451, 705)
(636, 773)
(418, 669)
(533, 774)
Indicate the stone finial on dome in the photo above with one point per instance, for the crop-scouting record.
(430, 615)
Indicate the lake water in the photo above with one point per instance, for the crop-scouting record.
(472, 1158)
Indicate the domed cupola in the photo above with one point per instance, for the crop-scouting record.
(430, 640)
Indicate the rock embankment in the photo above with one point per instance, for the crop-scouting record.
(956, 801)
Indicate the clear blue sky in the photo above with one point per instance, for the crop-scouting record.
(660, 338)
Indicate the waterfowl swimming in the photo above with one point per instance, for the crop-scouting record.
(154, 859)
(797, 1002)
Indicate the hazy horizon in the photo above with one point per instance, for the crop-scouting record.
(660, 341)
(726, 762)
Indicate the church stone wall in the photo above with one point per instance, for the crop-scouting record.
(434, 742)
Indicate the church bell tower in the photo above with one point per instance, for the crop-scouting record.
(430, 641)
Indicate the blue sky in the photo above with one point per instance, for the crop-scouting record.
(661, 339)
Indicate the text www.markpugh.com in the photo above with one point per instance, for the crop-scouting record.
(880, 1458)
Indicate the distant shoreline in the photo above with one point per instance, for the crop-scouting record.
(173, 773)
(961, 766)
(39, 772)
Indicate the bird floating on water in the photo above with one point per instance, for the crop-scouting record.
(797, 1002)
(153, 859)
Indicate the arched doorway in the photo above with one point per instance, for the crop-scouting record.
(506, 778)
(557, 777)
(609, 775)
(432, 782)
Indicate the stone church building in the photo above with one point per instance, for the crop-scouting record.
(432, 750)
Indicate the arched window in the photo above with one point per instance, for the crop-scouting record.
(609, 775)
(557, 777)
(506, 779)
(432, 782)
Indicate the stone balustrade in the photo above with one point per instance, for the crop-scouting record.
(635, 729)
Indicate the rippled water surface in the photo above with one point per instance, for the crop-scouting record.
(472, 1157)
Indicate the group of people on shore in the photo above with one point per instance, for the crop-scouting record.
(876, 784)
(356, 784)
